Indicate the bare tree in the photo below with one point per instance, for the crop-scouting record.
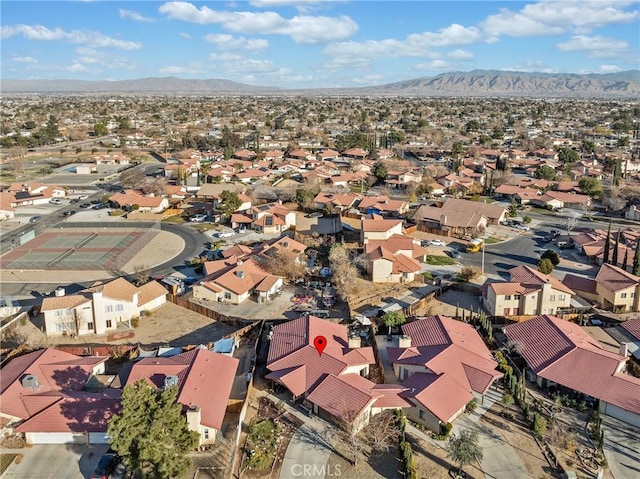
(140, 274)
(285, 263)
(132, 178)
(344, 272)
(382, 432)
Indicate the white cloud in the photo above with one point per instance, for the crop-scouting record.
(530, 66)
(301, 28)
(77, 68)
(89, 56)
(420, 45)
(229, 42)
(460, 55)
(554, 17)
(284, 3)
(602, 69)
(372, 79)
(194, 68)
(226, 56)
(434, 65)
(250, 66)
(597, 46)
(29, 60)
(134, 16)
(185, 35)
(93, 39)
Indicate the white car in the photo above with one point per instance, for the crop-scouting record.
(437, 242)
(225, 234)
(198, 218)
(83, 197)
(523, 227)
(55, 201)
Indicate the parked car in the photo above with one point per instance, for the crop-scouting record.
(106, 466)
(425, 243)
(242, 229)
(119, 472)
(85, 205)
(99, 206)
(69, 213)
(225, 234)
(83, 197)
(455, 254)
(198, 218)
(74, 201)
(55, 201)
(35, 219)
(437, 242)
(554, 233)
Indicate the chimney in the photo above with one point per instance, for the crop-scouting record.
(193, 418)
(354, 342)
(240, 274)
(404, 341)
(443, 220)
(623, 350)
(59, 292)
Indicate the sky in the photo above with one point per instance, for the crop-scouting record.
(311, 43)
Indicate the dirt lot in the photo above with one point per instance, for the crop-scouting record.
(432, 462)
(169, 324)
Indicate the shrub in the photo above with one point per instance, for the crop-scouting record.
(471, 406)
(427, 276)
(545, 266)
(135, 321)
(539, 426)
(526, 219)
(469, 272)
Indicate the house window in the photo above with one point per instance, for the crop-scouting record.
(633, 295)
(623, 295)
(227, 295)
(507, 297)
(108, 308)
(58, 312)
(109, 323)
(552, 298)
(68, 312)
(561, 297)
(90, 326)
(59, 327)
(423, 415)
(119, 307)
(206, 434)
(516, 297)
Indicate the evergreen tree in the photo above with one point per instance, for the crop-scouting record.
(465, 448)
(635, 270)
(512, 212)
(607, 245)
(151, 434)
(626, 259)
(615, 250)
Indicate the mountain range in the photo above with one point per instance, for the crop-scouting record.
(476, 83)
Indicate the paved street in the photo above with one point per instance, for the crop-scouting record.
(308, 451)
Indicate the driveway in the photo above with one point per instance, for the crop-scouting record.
(55, 461)
(308, 451)
(621, 448)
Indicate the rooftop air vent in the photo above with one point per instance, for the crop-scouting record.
(170, 381)
(30, 381)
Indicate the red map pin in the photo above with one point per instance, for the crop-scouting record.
(320, 342)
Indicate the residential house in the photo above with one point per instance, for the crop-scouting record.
(633, 213)
(395, 259)
(100, 308)
(561, 353)
(617, 290)
(383, 205)
(31, 194)
(272, 218)
(337, 201)
(332, 383)
(43, 396)
(402, 178)
(355, 153)
(251, 175)
(235, 280)
(444, 364)
(134, 199)
(204, 380)
(7, 202)
(570, 200)
(528, 292)
(374, 227)
(458, 216)
(213, 191)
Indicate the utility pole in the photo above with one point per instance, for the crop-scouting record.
(482, 257)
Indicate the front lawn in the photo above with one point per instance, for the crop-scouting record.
(439, 260)
(5, 461)
(491, 240)
(542, 211)
(175, 219)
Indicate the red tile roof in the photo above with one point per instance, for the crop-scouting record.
(633, 326)
(579, 283)
(205, 379)
(292, 347)
(614, 278)
(564, 353)
(55, 370)
(440, 394)
(532, 280)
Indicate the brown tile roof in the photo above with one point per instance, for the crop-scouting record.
(119, 288)
(340, 397)
(63, 302)
(379, 225)
(238, 277)
(614, 279)
(579, 283)
(150, 291)
(564, 353)
(633, 327)
(439, 393)
(531, 279)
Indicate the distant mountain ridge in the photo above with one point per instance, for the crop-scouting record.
(476, 83)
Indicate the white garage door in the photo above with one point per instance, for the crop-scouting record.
(98, 438)
(55, 438)
(619, 413)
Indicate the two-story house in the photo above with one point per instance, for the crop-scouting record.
(528, 292)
